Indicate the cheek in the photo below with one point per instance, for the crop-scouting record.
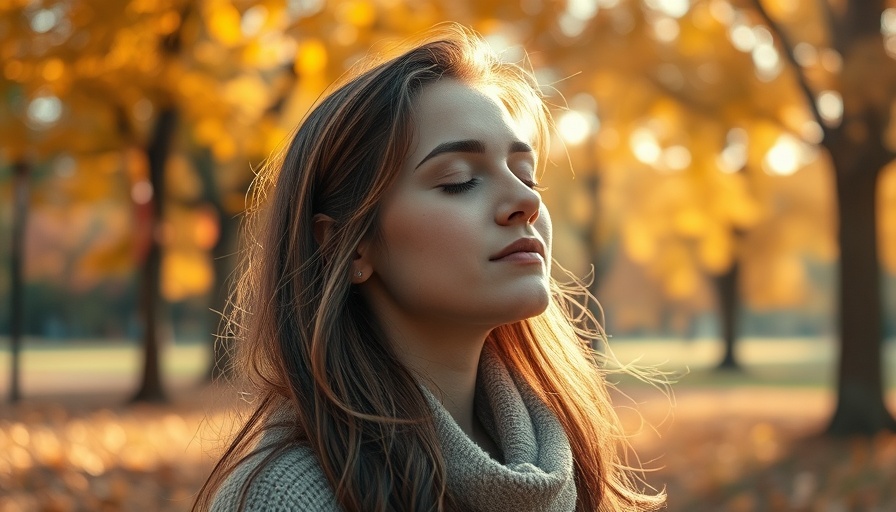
(545, 228)
(430, 233)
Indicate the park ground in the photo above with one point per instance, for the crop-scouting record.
(733, 441)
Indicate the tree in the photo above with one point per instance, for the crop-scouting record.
(715, 129)
(856, 142)
(20, 213)
(137, 70)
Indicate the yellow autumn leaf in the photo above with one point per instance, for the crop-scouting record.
(185, 273)
(311, 57)
(639, 241)
(691, 221)
(359, 13)
(209, 130)
(223, 20)
(248, 93)
(224, 148)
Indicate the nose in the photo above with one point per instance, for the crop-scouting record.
(520, 203)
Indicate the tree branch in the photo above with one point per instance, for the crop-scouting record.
(787, 48)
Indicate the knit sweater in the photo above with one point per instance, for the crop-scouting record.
(536, 474)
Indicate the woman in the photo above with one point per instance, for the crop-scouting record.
(397, 315)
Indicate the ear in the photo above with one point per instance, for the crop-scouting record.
(362, 264)
(322, 227)
(361, 268)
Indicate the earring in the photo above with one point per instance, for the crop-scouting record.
(359, 274)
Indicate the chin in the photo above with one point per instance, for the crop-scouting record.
(533, 306)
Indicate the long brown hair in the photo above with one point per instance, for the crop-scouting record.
(310, 345)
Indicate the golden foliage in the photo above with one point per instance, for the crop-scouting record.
(705, 153)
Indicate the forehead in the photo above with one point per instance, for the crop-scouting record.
(453, 110)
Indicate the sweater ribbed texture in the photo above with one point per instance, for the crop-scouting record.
(536, 474)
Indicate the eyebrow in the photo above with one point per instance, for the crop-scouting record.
(471, 146)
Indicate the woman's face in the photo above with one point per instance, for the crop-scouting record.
(464, 236)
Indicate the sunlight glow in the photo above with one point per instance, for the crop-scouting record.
(582, 9)
(722, 11)
(742, 37)
(304, 8)
(506, 46)
(765, 57)
(767, 61)
(888, 30)
(673, 8)
(784, 158)
(253, 20)
(574, 127)
(665, 29)
(888, 22)
(676, 158)
(44, 20)
(830, 106)
(45, 110)
(570, 25)
(645, 146)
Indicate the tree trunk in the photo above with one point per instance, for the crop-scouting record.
(860, 397)
(151, 388)
(727, 290)
(17, 289)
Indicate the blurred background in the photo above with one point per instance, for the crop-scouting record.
(722, 173)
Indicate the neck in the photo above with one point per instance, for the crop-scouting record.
(446, 361)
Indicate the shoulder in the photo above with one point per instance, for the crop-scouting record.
(291, 481)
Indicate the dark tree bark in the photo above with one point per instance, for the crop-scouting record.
(157, 150)
(151, 388)
(17, 288)
(729, 304)
(861, 406)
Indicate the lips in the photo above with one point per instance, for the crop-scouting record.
(523, 245)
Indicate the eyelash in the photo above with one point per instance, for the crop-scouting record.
(457, 188)
(534, 186)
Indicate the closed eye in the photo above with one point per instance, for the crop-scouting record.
(533, 185)
(457, 188)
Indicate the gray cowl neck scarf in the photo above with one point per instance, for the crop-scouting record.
(536, 474)
(537, 471)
